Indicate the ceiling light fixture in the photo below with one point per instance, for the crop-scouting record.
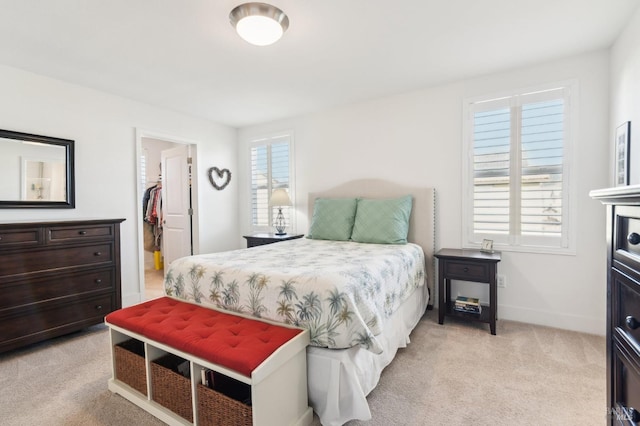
(260, 24)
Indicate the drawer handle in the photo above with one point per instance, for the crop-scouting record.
(98, 307)
(633, 238)
(465, 269)
(98, 253)
(98, 281)
(82, 232)
(632, 323)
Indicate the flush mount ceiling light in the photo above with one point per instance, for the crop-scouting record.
(259, 23)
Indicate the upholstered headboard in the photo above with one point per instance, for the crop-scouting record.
(421, 223)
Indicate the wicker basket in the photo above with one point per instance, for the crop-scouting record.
(130, 364)
(171, 389)
(216, 409)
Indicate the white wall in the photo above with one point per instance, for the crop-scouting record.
(104, 129)
(625, 92)
(153, 148)
(416, 138)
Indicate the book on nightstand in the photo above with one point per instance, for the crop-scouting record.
(467, 305)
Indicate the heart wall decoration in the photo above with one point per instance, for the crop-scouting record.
(221, 178)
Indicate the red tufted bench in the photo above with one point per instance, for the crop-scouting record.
(232, 341)
(272, 358)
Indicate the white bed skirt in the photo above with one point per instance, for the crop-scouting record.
(339, 380)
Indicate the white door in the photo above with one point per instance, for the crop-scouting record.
(176, 203)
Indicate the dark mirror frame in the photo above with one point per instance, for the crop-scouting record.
(70, 191)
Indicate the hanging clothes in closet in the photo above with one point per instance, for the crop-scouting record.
(152, 212)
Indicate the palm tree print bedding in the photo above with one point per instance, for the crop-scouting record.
(341, 291)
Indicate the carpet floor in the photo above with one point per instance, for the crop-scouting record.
(453, 374)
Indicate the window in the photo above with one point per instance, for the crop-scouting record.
(516, 161)
(271, 166)
(143, 170)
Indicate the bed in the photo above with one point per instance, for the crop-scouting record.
(360, 300)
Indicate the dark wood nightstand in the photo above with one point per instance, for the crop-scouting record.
(262, 239)
(467, 265)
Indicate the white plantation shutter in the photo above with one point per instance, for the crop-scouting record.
(143, 171)
(542, 143)
(491, 169)
(260, 185)
(518, 175)
(270, 169)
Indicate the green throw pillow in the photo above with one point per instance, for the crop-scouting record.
(382, 221)
(333, 219)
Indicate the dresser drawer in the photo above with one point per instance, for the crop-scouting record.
(627, 382)
(255, 242)
(20, 237)
(19, 293)
(58, 258)
(69, 313)
(467, 271)
(61, 234)
(626, 237)
(627, 306)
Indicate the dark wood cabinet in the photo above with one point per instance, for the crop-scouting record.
(56, 278)
(262, 239)
(467, 265)
(623, 303)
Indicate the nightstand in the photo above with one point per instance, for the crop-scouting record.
(467, 265)
(262, 239)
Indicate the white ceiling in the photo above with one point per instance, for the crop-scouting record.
(184, 55)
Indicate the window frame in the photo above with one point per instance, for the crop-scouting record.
(268, 140)
(514, 241)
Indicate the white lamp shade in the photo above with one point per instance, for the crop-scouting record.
(260, 24)
(259, 30)
(280, 197)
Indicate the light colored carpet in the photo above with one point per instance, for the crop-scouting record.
(454, 374)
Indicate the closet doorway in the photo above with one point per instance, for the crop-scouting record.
(167, 207)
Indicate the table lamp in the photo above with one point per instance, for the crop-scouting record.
(280, 198)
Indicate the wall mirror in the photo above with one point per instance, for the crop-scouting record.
(36, 171)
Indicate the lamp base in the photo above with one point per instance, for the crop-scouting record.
(279, 222)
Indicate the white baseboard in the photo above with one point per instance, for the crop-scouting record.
(581, 323)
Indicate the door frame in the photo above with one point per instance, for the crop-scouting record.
(144, 133)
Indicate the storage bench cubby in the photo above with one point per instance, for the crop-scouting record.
(214, 405)
(170, 388)
(170, 382)
(129, 364)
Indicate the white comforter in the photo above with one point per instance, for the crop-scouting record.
(342, 292)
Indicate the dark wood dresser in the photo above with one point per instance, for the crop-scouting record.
(56, 277)
(623, 303)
